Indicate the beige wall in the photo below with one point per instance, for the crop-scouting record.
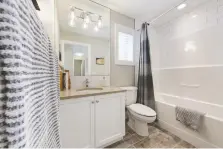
(120, 75)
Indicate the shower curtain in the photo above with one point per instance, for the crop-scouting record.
(29, 80)
(145, 93)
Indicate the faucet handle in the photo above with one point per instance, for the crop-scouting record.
(86, 81)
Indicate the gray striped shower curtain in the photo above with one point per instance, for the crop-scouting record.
(29, 90)
(145, 93)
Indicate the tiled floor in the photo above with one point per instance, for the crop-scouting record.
(158, 138)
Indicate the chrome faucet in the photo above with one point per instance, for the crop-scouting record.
(86, 83)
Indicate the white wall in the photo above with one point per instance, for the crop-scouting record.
(189, 51)
(68, 61)
(48, 16)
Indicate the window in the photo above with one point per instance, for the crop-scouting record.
(125, 46)
(124, 53)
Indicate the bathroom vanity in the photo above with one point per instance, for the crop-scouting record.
(92, 118)
(89, 117)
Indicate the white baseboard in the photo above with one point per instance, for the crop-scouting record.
(197, 142)
(110, 143)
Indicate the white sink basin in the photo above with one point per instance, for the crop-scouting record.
(89, 89)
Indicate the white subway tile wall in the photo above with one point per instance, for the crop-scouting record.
(187, 62)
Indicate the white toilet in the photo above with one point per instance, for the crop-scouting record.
(139, 115)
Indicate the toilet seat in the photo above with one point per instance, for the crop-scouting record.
(142, 110)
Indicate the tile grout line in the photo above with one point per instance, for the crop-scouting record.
(134, 138)
(134, 134)
(128, 137)
(177, 143)
(140, 140)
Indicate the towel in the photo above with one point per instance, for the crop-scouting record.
(190, 118)
(29, 82)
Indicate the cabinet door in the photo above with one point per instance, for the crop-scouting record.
(109, 119)
(77, 123)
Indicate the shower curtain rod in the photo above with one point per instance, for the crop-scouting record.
(167, 11)
(155, 19)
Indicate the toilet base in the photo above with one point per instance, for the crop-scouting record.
(140, 127)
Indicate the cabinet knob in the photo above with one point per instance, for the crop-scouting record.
(92, 102)
(97, 101)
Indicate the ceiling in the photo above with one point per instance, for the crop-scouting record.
(144, 10)
(175, 13)
(141, 10)
(148, 10)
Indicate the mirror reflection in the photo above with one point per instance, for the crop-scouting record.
(77, 59)
(84, 38)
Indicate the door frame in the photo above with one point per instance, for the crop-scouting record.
(63, 42)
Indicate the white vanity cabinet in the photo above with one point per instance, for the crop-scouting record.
(109, 119)
(77, 123)
(95, 121)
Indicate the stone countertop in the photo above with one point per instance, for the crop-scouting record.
(70, 94)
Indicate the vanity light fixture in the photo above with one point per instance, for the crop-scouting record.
(72, 17)
(99, 22)
(72, 14)
(85, 25)
(96, 28)
(72, 23)
(87, 17)
(182, 6)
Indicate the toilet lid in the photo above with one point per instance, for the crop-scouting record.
(142, 110)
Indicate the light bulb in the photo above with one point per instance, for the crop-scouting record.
(99, 22)
(182, 6)
(85, 25)
(72, 15)
(96, 28)
(72, 23)
(87, 19)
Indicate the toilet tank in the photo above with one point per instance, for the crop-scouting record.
(131, 95)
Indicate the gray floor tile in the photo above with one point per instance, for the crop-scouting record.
(147, 143)
(120, 144)
(158, 138)
(132, 140)
(127, 135)
(184, 144)
(140, 137)
(132, 146)
(129, 130)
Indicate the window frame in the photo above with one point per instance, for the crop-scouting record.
(125, 30)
